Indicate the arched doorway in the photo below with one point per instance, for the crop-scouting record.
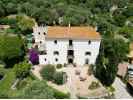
(86, 61)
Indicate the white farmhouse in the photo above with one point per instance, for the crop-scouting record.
(66, 45)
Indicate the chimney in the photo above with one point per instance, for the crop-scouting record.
(69, 24)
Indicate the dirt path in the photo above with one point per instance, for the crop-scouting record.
(70, 84)
(36, 71)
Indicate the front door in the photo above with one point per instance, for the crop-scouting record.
(70, 56)
(70, 61)
(86, 61)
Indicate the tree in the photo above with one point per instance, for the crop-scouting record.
(11, 49)
(21, 24)
(11, 8)
(25, 23)
(112, 52)
(2, 10)
(129, 10)
(22, 69)
(126, 32)
(120, 20)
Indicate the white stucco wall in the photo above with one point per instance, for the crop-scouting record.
(61, 47)
(79, 46)
(82, 46)
(39, 37)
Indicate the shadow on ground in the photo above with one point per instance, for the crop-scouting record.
(129, 89)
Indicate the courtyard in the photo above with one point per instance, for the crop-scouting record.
(78, 81)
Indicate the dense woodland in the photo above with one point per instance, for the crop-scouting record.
(77, 12)
(112, 18)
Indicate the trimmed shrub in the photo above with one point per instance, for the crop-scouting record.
(111, 89)
(59, 66)
(90, 69)
(59, 78)
(48, 71)
(94, 85)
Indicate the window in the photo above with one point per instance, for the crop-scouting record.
(44, 33)
(88, 53)
(39, 33)
(45, 59)
(70, 42)
(56, 59)
(55, 41)
(33, 40)
(56, 53)
(40, 42)
(36, 46)
(89, 42)
(87, 61)
(43, 52)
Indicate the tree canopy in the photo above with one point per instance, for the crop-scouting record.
(112, 52)
(11, 48)
(22, 69)
(61, 12)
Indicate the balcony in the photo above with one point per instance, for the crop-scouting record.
(70, 56)
(70, 47)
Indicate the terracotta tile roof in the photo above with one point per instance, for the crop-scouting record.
(74, 32)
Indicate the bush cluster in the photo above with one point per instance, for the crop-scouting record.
(94, 85)
(59, 77)
(40, 90)
(48, 71)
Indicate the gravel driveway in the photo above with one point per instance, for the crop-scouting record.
(120, 90)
